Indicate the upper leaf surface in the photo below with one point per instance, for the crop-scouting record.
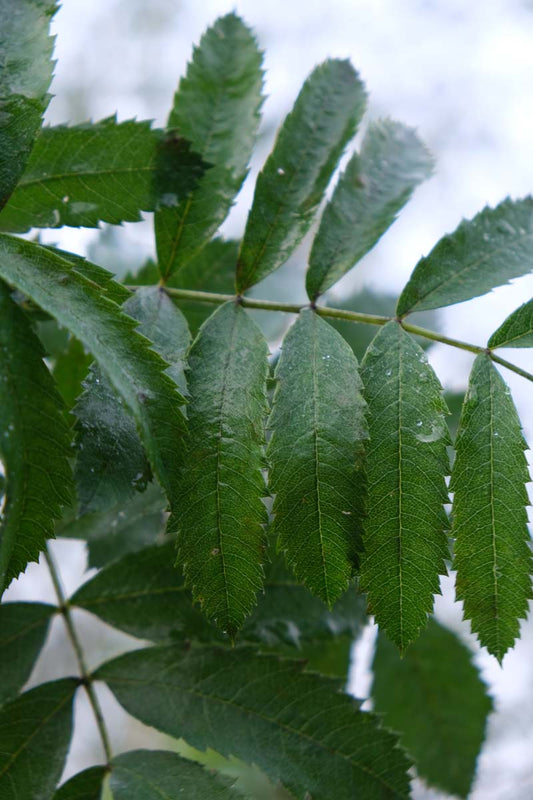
(135, 370)
(296, 173)
(99, 172)
(23, 629)
(157, 774)
(217, 108)
(25, 56)
(34, 444)
(86, 785)
(220, 514)
(120, 530)
(316, 456)
(516, 330)
(437, 700)
(485, 252)
(35, 731)
(294, 725)
(492, 555)
(404, 544)
(375, 186)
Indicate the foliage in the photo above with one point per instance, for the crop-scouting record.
(135, 419)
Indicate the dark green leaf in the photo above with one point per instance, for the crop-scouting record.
(492, 555)
(157, 774)
(121, 530)
(316, 455)
(25, 75)
(294, 725)
(377, 183)
(23, 629)
(220, 515)
(98, 276)
(294, 178)
(69, 371)
(86, 785)
(517, 330)
(34, 444)
(136, 371)
(485, 252)
(99, 172)
(35, 731)
(437, 700)
(404, 542)
(217, 108)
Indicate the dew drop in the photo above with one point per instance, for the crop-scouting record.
(280, 171)
(388, 373)
(419, 423)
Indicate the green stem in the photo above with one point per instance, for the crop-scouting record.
(339, 313)
(85, 675)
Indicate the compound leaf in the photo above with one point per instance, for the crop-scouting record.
(86, 785)
(157, 774)
(35, 731)
(23, 629)
(99, 172)
(217, 108)
(316, 455)
(404, 544)
(294, 178)
(220, 515)
(376, 185)
(484, 252)
(25, 56)
(516, 330)
(34, 444)
(296, 726)
(437, 700)
(135, 370)
(492, 555)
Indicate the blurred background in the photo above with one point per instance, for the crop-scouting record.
(462, 75)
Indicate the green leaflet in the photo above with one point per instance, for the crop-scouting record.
(144, 595)
(157, 774)
(316, 455)
(485, 252)
(294, 178)
(120, 530)
(34, 444)
(516, 330)
(70, 368)
(23, 629)
(99, 172)
(217, 108)
(377, 183)
(25, 56)
(437, 700)
(136, 372)
(220, 515)
(111, 464)
(404, 544)
(296, 726)
(492, 555)
(86, 785)
(35, 731)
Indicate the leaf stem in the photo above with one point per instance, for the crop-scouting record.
(85, 675)
(338, 313)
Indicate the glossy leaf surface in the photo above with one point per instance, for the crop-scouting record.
(23, 629)
(404, 545)
(294, 178)
(492, 555)
(220, 515)
(86, 785)
(316, 456)
(217, 108)
(34, 444)
(99, 172)
(516, 330)
(484, 252)
(376, 185)
(296, 726)
(437, 701)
